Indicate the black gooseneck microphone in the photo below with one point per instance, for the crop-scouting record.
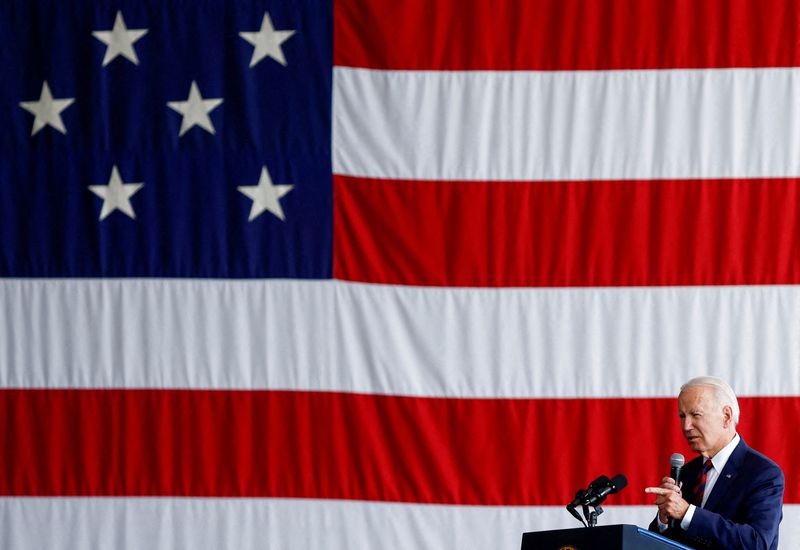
(676, 462)
(600, 491)
(594, 496)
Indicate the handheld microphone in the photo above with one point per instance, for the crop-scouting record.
(676, 462)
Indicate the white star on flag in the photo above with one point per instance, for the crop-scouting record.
(267, 41)
(119, 41)
(116, 195)
(47, 110)
(265, 196)
(195, 110)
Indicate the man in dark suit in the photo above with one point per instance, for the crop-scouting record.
(731, 495)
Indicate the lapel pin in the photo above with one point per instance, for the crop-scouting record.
(728, 476)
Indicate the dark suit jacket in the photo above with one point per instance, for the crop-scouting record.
(744, 508)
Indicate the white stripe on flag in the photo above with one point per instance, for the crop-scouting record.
(440, 342)
(165, 523)
(563, 125)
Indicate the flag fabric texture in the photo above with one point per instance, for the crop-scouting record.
(366, 274)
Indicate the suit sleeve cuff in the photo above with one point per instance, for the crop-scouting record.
(687, 518)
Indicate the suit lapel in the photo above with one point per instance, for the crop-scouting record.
(726, 477)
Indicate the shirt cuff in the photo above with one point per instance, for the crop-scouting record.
(661, 526)
(687, 518)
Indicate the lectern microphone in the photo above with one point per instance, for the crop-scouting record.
(594, 496)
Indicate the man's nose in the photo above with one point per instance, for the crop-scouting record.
(686, 424)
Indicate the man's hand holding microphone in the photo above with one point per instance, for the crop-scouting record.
(669, 498)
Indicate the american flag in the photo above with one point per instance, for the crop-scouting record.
(366, 274)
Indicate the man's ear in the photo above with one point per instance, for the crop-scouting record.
(727, 415)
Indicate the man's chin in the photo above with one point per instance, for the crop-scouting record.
(695, 446)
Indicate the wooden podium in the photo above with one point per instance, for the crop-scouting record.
(610, 537)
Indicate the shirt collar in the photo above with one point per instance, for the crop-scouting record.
(721, 458)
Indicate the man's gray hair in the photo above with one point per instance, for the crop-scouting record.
(722, 391)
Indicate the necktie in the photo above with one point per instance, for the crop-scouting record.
(699, 489)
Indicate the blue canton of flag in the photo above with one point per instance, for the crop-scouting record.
(165, 139)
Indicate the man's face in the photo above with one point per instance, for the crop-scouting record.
(706, 425)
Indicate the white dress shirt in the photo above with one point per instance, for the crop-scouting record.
(718, 463)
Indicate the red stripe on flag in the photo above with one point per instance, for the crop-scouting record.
(349, 446)
(575, 233)
(559, 35)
